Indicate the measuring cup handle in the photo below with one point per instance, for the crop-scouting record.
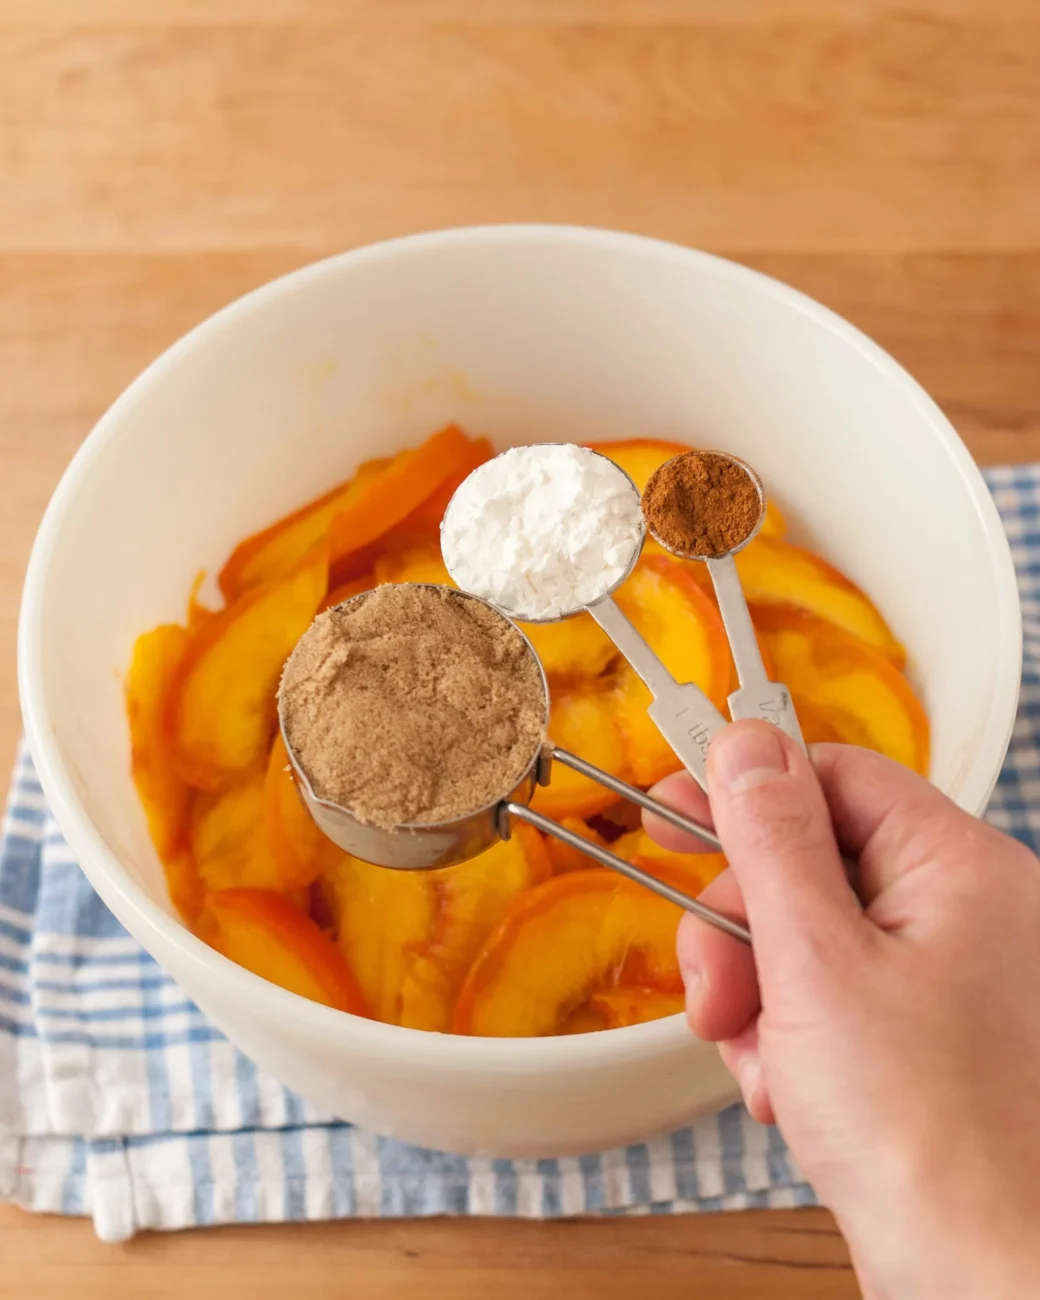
(607, 859)
(625, 791)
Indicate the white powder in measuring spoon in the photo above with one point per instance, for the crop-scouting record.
(542, 531)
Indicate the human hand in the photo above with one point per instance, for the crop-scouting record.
(893, 1036)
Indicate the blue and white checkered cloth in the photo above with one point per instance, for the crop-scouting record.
(119, 1100)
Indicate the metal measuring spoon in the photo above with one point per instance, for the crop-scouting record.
(680, 710)
(423, 846)
(756, 696)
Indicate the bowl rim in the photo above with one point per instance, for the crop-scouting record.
(141, 915)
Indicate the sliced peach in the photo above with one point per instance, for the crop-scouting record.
(582, 720)
(198, 613)
(583, 1020)
(381, 917)
(266, 555)
(411, 478)
(778, 573)
(221, 709)
(298, 851)
(228, 843)
(640, 457)
(184, 885)
(774, 524)
(634, 1006)
(472, 899)
(421, 528)
(577, 647)
(573, 647)
(267, 935)
(412, 935)
(154, 664)
(681, 623)
(560, 943)
(616, 820)
(563, 857)
(425, 520)
(846, 685)
(690, 872)
(345, 590)
(417, 563)
(258, 834)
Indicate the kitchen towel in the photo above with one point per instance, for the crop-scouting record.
(120, 1101)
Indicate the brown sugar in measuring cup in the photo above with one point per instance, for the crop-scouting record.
(449, 688)
(414, 719)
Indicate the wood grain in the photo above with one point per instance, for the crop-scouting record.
(157, 160)
(247, 135)
(754, 1256)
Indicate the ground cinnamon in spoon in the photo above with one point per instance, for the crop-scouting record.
(412, 704)
(701, 504)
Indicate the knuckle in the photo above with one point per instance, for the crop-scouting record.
(780, 818)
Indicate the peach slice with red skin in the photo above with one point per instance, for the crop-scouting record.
(227, 840)
(411, 936)
(425, 521)
(559, 944)
(778, 573)
(156, 659)
(185, 887)
(844, 687)
(347, 590)
(563, 857)
(266, 934)
(221, 707)
(573, 647)
(298, 851)
(258, 833)
(263, 557)
(690, 872)
(380, 495)
(582, 719)
(420, 562)
(410, 480)
(620, 1007)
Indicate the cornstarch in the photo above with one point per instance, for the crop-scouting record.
(542, 531)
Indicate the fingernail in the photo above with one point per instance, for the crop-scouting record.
(749, 1076)
(692, 983)
(742, 757)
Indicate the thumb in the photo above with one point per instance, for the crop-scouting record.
(771, 815)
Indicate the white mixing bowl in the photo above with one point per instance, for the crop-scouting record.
(522, 333)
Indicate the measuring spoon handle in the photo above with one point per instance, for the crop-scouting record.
(681, 711)
(757, 696)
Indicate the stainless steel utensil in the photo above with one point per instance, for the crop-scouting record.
(756, 696)
(680, 710)
(423, 846)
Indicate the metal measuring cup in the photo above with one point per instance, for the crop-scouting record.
(680, 710)
(422, 846)
(756, 696)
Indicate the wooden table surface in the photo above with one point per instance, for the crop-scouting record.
(158, 159)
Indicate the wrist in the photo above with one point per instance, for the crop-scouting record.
(925, 1251)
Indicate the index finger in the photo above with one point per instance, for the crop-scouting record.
(681, 792)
